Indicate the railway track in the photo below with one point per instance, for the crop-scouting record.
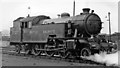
(56, 57)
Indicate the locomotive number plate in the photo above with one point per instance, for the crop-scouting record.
(49, 31)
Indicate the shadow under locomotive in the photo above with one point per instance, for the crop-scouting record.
(67, 36)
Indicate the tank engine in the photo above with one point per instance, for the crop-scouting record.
(64, 36)
(86, 23)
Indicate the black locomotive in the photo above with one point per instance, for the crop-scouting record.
(65, 36)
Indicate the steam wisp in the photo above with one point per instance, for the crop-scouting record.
(104, 58)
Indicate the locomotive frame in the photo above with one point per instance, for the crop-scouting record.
(66, 36)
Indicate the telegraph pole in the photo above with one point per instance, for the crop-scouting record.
(74, 8)
(109, 26)
(28, 11)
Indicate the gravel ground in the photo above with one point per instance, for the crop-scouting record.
(12, 60)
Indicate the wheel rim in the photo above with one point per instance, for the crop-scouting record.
(27, 49)
(35, 50)
(50, 53)
(17, 49)
(85, 52)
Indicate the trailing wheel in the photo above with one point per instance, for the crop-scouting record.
(17, 49)
(85, 52)
(35, 50)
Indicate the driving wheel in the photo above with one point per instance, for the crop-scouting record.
(35, 50)
(17, 49)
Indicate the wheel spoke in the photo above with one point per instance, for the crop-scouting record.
(17, 49)
(27, 51)
(35, 50)
(85, 52)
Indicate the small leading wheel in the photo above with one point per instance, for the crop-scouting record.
(85, 52)
(35, 50)
(17, 49)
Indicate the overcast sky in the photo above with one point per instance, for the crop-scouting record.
(12, 9)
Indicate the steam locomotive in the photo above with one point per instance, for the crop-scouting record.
(65, 36)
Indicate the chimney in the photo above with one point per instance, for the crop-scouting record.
(86, 10)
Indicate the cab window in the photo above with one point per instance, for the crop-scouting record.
(24, 24)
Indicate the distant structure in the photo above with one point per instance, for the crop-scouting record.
(0, 36)
(0, 39)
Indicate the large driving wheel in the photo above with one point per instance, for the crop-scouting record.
(17, 49)
(50, 53)
(35, 50)
(85, 52)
